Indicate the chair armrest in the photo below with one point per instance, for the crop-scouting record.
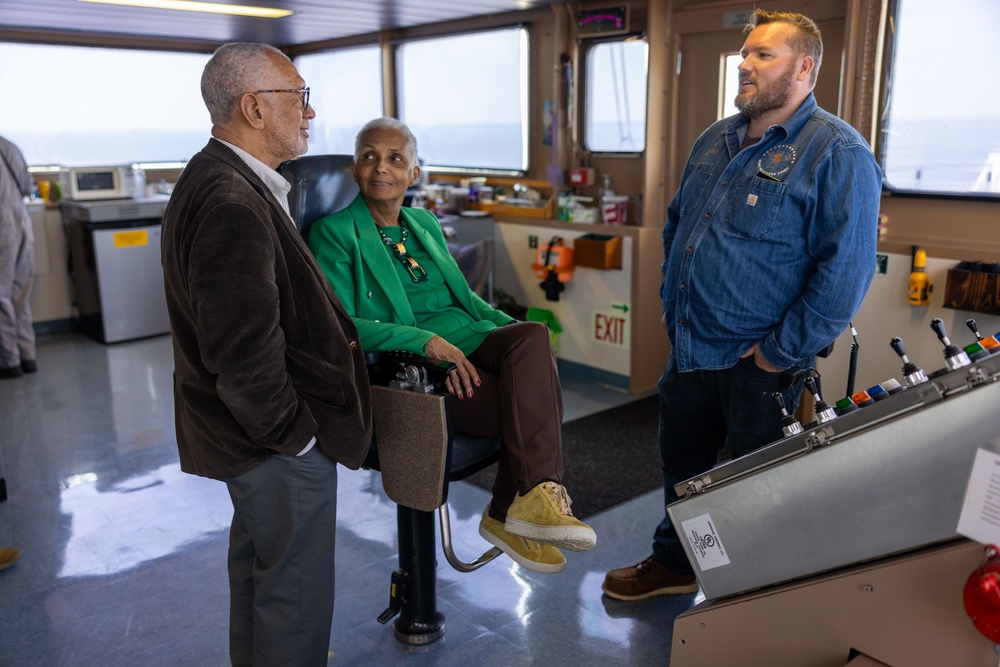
(413, 432)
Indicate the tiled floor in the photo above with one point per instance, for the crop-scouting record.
(124, 557)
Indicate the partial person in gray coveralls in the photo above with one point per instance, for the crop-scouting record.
(17, 265)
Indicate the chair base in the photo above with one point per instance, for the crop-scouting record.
(417, 633)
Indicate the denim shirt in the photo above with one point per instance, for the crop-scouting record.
(772, 244)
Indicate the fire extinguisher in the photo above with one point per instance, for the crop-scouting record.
(982, 595)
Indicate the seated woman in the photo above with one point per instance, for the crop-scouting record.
(390, 267)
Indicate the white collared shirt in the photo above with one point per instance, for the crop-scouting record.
(274, 181)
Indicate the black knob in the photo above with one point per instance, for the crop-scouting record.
(938, 326)
(813, 389)
(812, 384)
(971, 323)
(897, 345)
(779, 401)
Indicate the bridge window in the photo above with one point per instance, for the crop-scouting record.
(615, 107)
(76, 106)
(465, 98)
(346, 92)
(730, 85)
(940, 130)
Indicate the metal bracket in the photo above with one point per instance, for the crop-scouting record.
(929, 392)
(449, 551)
(819, 437)
(977, 376)
(694, 487)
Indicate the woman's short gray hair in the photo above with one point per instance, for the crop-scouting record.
(234, 70)
(389, 123)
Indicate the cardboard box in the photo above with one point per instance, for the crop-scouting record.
(597, 251)
(545, 209)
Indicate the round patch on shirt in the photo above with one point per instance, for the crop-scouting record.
(777, 160)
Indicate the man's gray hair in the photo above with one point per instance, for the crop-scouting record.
(234, 70)
(389, 123)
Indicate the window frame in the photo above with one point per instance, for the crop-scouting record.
(881, 123)
(45, 167)
(527, 110)
(344, 49)
(586, 46)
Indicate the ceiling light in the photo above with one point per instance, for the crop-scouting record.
(209, 7)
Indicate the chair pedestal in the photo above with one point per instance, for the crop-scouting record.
(419, 620)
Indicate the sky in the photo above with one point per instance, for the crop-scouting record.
(943, 69)
(946, 59)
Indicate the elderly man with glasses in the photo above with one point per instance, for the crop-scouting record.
(262, 402)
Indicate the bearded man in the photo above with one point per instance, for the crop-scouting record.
(769, 250)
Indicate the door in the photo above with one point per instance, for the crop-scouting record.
(702, 55)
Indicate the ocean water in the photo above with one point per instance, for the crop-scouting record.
(924, 155)
(78, 148)
(942, 155)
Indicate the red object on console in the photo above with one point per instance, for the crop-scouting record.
(982, 595)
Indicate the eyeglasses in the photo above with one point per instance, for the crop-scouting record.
(303, 92)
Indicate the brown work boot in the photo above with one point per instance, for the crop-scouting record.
(8, 556)
(646, 580)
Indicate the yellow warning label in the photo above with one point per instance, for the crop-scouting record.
(130, 239)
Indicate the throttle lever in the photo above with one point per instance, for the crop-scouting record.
(912, 374)
(789, 424)
(953, 356)
(824, 413)
(974, 328)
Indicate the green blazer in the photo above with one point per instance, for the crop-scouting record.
(351, 253)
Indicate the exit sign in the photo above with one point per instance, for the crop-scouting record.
(612, 327)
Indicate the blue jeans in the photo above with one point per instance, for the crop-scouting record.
(700, 411)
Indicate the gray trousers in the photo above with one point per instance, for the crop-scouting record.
(17, 273)
(281, 558)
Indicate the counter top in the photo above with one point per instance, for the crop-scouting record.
(584, 227)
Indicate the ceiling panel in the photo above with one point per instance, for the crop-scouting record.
(313, 20)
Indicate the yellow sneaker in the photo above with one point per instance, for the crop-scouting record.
(543, 515)
(526, 553)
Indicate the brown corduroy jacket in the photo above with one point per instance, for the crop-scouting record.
(265, 357)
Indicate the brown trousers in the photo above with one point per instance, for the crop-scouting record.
(521, 401)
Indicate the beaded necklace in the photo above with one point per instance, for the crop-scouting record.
(399, 251)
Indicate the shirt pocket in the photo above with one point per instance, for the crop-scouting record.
(753, 207)
(693, 189)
